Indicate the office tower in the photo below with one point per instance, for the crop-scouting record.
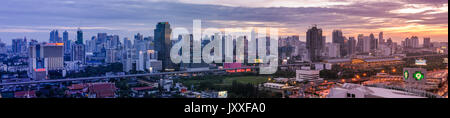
(111, 56)
(79, 53)
(45, 59)
(101, 38)
(415, 42)
(2, 47)
(407, 43)
(389, 42)
(427, 42)
(359, 45)
(127, 44)
(90, 45)
(334, 50)
(79, 36)
(139, 43)
(114, 41)
(367, 44)
(338, 38)
(66, 43)
(65, 37)
(19, 46)
(164, 44)
(314, 43)
(351, 45)
(381, 38)
(54, 37)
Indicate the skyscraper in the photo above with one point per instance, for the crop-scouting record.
(427, 42)
(351, 45)
(79, 53)
(66, 42)
(373, 42)
(338, 38)
(2, 47)
(54, 37)
(164, 44)
(408, 43)
(415, 41)
(79, 37)
(19, 46)
(65, 36)
(45, 59)
(314, 43)
(359, 45)
(367, 44)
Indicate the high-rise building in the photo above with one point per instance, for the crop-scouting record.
(373, 42)
(2, 47)
(163, 45)
(407, 43)
(381, 38)
(79, 37)
(338, 38)
(314, 43)
(427, 42)
(366, 44)
(79, 53)
(334, 50)
(101, 38)
(45, 59)
(351, 45)
(415, 41)
(389, 42)
(359, 45)
(67, 45)
(19, 46)
(54, 37)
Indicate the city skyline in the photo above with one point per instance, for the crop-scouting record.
(397, 20)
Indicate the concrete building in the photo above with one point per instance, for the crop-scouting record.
(333, 50)
(314, 43)
(427, 42)
(79, 53)
(307, 75)
(163, 43)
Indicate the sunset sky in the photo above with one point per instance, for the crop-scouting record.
(396, 18)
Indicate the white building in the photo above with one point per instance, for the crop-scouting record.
(154, 65)
(274, 85)
(385, 50)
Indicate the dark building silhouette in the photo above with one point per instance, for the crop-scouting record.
(79, 37)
